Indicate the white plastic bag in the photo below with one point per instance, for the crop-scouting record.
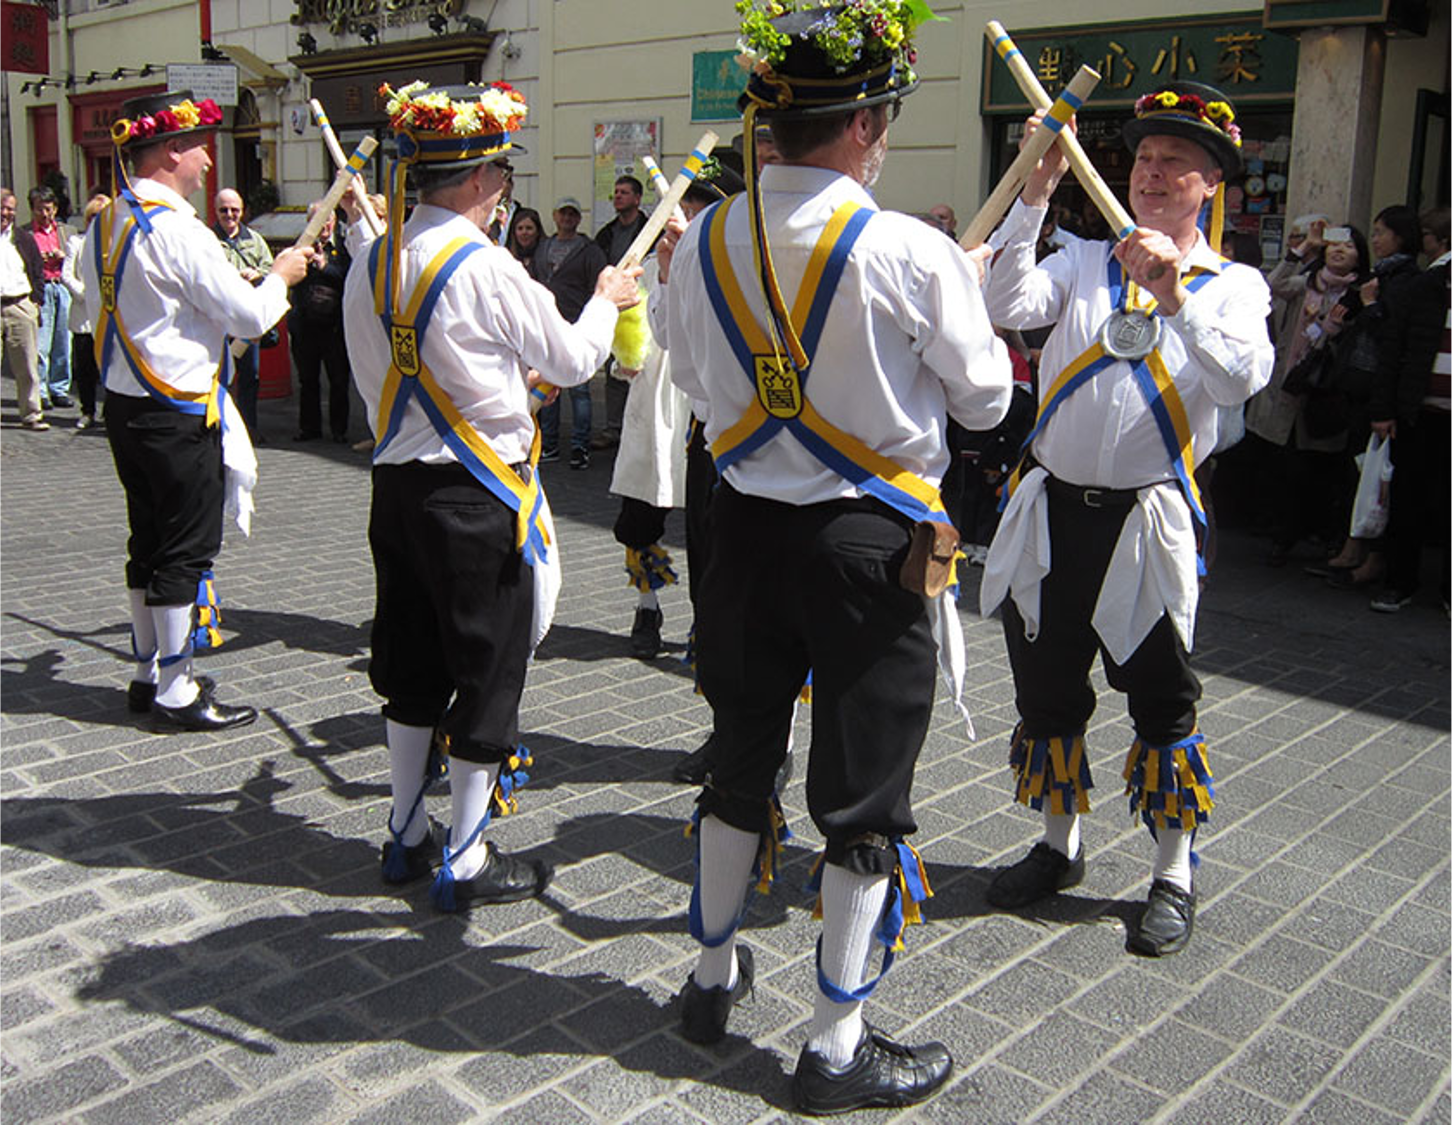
(1373, 491)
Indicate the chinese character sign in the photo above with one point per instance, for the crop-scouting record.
(24, 38)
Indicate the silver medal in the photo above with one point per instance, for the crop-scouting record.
(1131, 334)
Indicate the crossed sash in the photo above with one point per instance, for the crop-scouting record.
(1155, 383)
(112, 255)
(781, 400)
(409, 380)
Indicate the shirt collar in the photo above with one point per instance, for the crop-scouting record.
(1441, 261)
(428, 216)
(153, 192)
(808, 179)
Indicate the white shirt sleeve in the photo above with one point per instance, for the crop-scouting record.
(565, 354)
(1227, 338)
(1021, 293)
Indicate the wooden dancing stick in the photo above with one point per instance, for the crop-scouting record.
(360, 193)
(1120, 220)
(350, 169)
(660, 183)
(1002, 196)
(657, 221)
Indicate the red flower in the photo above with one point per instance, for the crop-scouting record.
(208, 110)
(143, 126)
(166, 121)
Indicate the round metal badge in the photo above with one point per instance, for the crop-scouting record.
(1130, 334)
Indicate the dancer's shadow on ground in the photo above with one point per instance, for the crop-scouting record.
(574, 642)
(348, 977)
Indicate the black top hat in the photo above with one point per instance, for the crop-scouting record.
(149, 118)
(1194, 111)
(837, 58)
(716, 180)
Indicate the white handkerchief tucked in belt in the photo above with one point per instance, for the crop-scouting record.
(241, 464)
(1152, 572)
(548, 577)
(1019, 556)
(952, 655)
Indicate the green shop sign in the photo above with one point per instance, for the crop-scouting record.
(716, 81)
(1234, 53)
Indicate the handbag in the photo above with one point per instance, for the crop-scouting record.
(1372, 506)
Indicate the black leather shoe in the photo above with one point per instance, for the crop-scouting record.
(420, 860)
(141, 694)
(504, 878)
(645, 633)
(1167, 922)
(205, 713)
(881, 1073)
(704, 1011)
(1038, 875)
(691, 770)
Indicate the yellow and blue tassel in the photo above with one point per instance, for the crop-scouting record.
(1170, 786)
(503, 801)
(649, 568)
(206, 634)
(1056, 769)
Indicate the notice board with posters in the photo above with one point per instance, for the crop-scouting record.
(618, 147)
(24, 38)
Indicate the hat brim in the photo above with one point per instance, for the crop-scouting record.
(796, 113)
(1211, 139)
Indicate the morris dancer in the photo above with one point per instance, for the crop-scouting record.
(162, 296)
(1152, 335)
(881, 332)
(443, 326)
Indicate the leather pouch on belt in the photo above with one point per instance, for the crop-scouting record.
(929, 562)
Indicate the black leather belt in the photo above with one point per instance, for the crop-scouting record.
(1092, 497)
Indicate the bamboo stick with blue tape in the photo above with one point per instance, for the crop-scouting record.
(660, 183)
(360, 193)
(1120, 221)
(1002, 197)
(657, 221)
(329, 204)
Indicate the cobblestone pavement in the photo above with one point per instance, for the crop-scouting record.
(194, 927)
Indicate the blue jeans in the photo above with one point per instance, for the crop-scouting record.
(549, 419)
(53, 361)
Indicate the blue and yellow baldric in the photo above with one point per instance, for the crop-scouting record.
(112, 254)
(779, 373)
(409, 380)
(1152, 378)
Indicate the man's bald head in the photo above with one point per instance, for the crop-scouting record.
(228, 205)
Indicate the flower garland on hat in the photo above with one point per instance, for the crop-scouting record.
(500, 108)
(848, 33)
(1217, 114)
(183, 115)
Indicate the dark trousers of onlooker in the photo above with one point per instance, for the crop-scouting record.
(244, 387)
(549, 419)
(312, 350)
(1312, 489)
(85, 375)
(1419, 499)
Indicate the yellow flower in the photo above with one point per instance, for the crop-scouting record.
(1168, 99)
(187, 114)
(1219, 111)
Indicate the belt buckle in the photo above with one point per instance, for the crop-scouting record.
(1091, 497)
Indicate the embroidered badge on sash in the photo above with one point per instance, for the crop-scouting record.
(778, 386)
(405, 349)
(108, 292)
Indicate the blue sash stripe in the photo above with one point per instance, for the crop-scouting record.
(869, 482)
(827, 287)
(763, 434)
(717, 214)
(1161, 414)
(431, 298)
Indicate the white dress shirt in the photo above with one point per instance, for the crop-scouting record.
(491, 324)
(179, 296)
(1218, 352)
(906, 341)
(14, 280)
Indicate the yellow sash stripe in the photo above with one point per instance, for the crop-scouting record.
(821, 252)
(731, 289)
(1175, 405)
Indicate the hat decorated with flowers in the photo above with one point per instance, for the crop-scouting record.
(160, 117)
(714, 181)
(814, 57)
(453, 126)
(1194, 111)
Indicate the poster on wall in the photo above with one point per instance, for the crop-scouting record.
(25, 44)
(619, 145)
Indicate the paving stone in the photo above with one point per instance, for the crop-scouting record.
(1282, 963)
(1387, 1075)
(59, 1091)
(1335, 1108)
(426, 1104)
(1279, 1065)
(312, 1099)
(1058, 1049)
(1106, 1098)
(1380, 969)
(987, 1094)
(183, 1092)
(1333, 1013)
(1220, 1102)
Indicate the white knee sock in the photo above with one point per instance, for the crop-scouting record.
(408, 755)
(1172, 860)
(174, 685)
(143, 636)
(727, 855)
(792, 726)
(471, 785)
(1061, 832)
(649, 600)
(851, 907)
